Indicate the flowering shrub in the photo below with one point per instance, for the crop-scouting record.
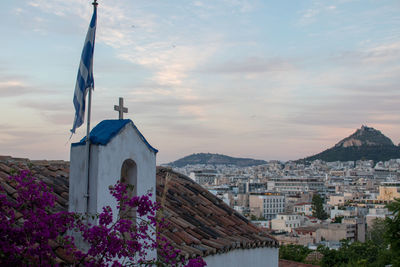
(197, 262)
(28, 230)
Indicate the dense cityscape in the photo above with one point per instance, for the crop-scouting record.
(279, 196)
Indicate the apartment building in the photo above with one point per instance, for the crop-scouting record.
(296, 185)
(286, 222)
(388, 191)
(338, 231)
(266, 205)
(204, 177)
(304, 208)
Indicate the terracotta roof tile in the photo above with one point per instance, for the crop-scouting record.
(184, 224)
(203, 210)
(10, 190)
(200, 232)
(207, 250)
(194, 234)
(213, 244)
(174, 237)
(190, 251)
(3, 175)
(189, 239)
(5, 168)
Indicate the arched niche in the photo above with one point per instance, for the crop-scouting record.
(129, 177)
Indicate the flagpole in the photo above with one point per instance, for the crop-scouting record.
(88, 136)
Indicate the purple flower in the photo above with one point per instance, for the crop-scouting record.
(29, 230)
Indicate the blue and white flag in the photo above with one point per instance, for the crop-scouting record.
(84, 81)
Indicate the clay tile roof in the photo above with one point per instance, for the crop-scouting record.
(199, 222)
(54, 173)
(303, 203)
(307, 229)
(209, 225)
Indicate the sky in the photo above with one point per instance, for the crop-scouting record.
(262, 79)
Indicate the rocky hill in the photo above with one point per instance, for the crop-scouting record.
(214, 159)
(365, 143)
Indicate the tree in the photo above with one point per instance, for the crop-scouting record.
(376, 232)
(293, 252)
(354, 254)
(318, 207)
(338, 219)
(381, 249)
(392, 233)
(29, 230)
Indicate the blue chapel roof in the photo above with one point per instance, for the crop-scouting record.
(107, 129)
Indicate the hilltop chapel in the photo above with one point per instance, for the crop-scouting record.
(200, 223)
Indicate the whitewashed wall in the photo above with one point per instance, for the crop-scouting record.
(126, 145)
(267, 257)
(105, 170)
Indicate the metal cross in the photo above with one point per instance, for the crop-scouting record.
(121, 109)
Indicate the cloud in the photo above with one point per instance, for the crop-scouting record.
(135, 33)
(375, 54)
(347, 110)
(251, 65)
(171, 64)
(13, 88)
(50, 106)
(173, 101)
(51, 110)
(18, 85)
(316, 9)
(30, 142)
(135, 37)
(310, 13)
(243, 6)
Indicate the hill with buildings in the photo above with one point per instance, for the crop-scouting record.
(214, 159)
(366, 143)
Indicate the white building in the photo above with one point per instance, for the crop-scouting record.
(348, 212)
(204, 177)
(118, 152)
(286, 222)
(266, 205)
(304, 208)
(296, 185)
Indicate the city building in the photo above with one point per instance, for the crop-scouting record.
(308, 235)
(204, 177)
(266, 205)
(388, 191)
(296, 185)
(375, 213)
(286, 222)
(304, 208)
(338, 231)
(359, 223)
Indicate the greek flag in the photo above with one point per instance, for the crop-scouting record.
(84, 81)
